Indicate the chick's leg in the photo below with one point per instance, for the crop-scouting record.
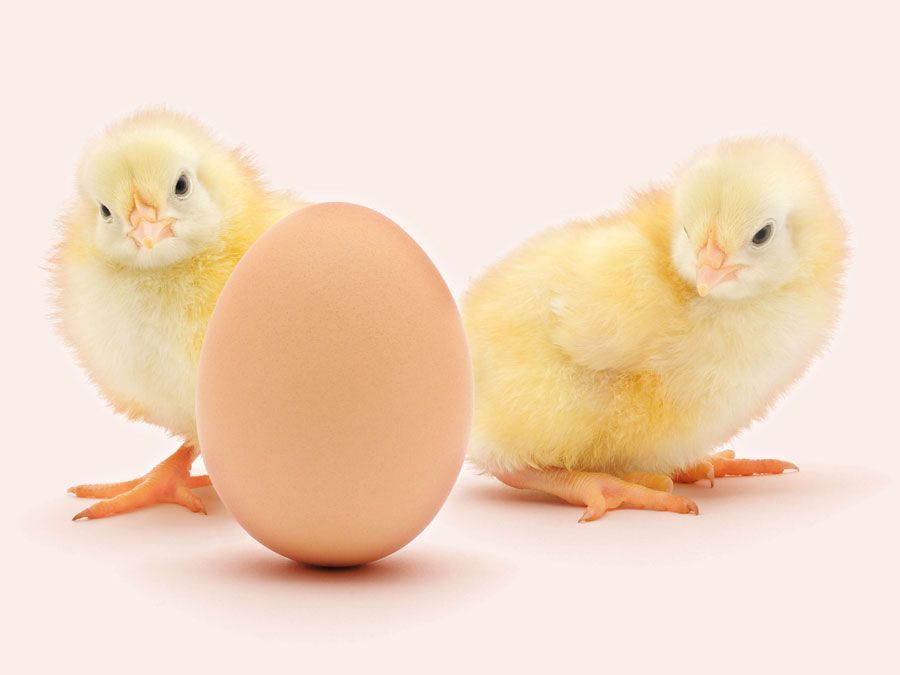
(168, 482)
(598, 492)
(725, 464)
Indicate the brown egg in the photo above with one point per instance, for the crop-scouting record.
(335, 388)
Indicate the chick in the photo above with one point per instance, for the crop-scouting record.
(612, 355)
(162, 215)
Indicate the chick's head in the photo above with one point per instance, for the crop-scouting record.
(156, 189)
(750, 217)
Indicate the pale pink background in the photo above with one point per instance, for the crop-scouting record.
(473, 128)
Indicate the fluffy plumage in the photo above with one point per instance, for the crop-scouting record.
(598, 346)
(135, 316)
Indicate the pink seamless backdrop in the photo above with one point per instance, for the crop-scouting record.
(473, 126)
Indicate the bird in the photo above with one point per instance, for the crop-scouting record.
(163, 212)
(613, 356)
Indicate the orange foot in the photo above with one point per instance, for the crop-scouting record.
(600, 492)
(724, 464)
(168, 482)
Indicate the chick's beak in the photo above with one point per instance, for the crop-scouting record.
(711, 267)
(147, 229)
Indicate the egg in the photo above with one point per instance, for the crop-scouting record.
(334, 392)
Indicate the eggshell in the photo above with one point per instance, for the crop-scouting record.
(335, 388)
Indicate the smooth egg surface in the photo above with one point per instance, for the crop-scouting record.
(335, 388)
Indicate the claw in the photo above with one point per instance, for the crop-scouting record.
(704, 470)
(592, 513)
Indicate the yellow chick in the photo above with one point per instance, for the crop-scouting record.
(612, 355)
(162, 215)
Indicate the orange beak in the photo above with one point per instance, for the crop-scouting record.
(711, 267)
(147, 229)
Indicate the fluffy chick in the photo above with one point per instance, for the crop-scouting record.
(613, 355)
(162, 215)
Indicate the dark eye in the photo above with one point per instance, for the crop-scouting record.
(182, 185)
(763, 235)
(105, 213)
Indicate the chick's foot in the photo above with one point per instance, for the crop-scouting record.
(599, 492)
(725, 464)
(169, 482)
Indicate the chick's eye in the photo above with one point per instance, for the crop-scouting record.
(182, 185)
(763, 235)
(105, 213)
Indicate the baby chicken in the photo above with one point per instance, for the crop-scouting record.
(612, 355)
(162, 215)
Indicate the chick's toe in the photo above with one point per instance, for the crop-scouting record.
(724, 463)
